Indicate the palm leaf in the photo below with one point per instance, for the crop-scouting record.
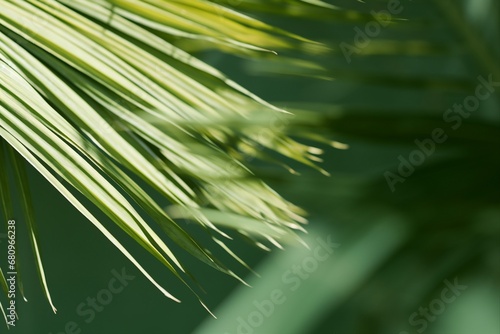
(93, 92)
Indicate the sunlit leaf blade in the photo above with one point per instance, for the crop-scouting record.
(23, 185)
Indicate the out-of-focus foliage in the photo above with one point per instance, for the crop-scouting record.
(408, 217)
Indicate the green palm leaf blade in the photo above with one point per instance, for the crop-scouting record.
(22, 184)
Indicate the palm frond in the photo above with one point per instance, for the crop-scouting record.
(94, 92)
